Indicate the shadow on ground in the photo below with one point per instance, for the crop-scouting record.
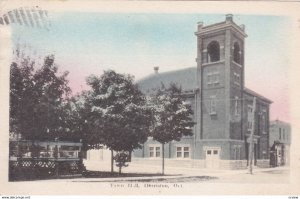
(101, 174)
(156, 179)
(178, 179)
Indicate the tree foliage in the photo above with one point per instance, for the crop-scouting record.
(171, 115)
(36, 99)
(121, 159)
(119, 117)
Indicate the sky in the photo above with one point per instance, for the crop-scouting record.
(88, 43)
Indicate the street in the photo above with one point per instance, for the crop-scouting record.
(188, 175)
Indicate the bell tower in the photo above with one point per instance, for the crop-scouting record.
(220, 80)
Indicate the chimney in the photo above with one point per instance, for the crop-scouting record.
(156, 68)
(242, 26)
(229, 17)
(200, 25)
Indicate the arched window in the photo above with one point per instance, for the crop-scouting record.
(236, 53)
(213, 51)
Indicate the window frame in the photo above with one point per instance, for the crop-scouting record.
(236, 78)
(155, 150)
(181, 149)
(237, 152)
(279, 133)
(236, 106)
(213, 105)
(264, 121)
(237, 53)
(213, 79)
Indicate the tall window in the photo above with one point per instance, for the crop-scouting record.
(236, 78)
(213, 79)
(250, 117)
(237, 152)
(213, 51)
(236, 106)
(212, 105)
(263, 121)
(236, 53)
(280, 133)
(154, 151)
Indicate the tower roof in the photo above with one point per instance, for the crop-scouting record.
(227, 24)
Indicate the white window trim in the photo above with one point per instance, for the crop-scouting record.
(237, 78)
(182, 151)
(213, 78)
(212, 103)
(209, 77)
(154, 150)
(206, 148)
(264, 114)
(216, 79)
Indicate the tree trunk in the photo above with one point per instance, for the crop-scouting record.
(112, 161)
(163, 159)
(120, 170)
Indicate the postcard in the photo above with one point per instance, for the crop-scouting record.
(149, 98)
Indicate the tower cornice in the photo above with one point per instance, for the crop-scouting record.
(202, 31)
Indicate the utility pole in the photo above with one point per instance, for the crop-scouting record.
(163, 159)
(112, 161)
(251, 144)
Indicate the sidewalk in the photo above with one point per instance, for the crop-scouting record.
(171, 173)
(169, 170)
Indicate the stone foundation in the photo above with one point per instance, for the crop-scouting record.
(264, 163)
(223, 164)
(171, 162)
(233, 164)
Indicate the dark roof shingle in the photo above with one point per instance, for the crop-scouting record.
(185, 78)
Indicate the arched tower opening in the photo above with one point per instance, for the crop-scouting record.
(237, 53)
(213, 51)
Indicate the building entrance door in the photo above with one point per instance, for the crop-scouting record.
(212, 158)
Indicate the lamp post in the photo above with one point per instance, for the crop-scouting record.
(80, 154)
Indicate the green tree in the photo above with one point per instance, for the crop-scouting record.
(36, 99)
(21, 97)
(171, 116)
(119, 117)
(121, 159)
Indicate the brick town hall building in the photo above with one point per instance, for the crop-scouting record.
(221, 103)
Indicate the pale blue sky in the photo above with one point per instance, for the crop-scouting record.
(88, 43)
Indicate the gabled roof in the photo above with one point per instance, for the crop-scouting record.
(184, 78)
(251, 92)
(279, 122)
